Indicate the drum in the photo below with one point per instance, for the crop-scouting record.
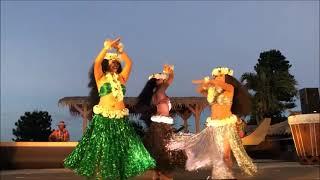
(305, 130)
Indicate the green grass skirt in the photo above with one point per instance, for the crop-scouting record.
(109, 149)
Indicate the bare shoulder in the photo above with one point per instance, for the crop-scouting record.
(100, 81)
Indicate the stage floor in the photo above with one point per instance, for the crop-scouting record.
(272, 170)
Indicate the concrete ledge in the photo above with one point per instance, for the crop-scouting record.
(34, 155)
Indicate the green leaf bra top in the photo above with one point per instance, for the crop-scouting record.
(106, 89)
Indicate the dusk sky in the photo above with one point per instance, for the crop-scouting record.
(48, 47)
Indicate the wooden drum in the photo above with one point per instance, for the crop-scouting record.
(305, 129)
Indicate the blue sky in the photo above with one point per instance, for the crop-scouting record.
(48, 47)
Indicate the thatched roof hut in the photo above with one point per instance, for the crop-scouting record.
(181, 106)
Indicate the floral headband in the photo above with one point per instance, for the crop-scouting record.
(158, 76)
(222, 71)
(112, 57)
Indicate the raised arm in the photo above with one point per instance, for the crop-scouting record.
(127, 68)
(201, 90)
(212, 82)
(203, 85)
(223, 85)
(170, 72)
(97, 68)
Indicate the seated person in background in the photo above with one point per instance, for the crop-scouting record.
(61, 134)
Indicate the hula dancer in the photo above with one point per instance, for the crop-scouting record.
(110, 149)
(212, 147)
(159, 121)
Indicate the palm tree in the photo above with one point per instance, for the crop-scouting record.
(272, 86)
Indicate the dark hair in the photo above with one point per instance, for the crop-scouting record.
(146, 94)
(105, 66)
(241, 103)
(144, 105)
(94, 93)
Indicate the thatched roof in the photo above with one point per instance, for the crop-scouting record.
(68, 101)
(175, 101)
(130, 101)
(178, 103)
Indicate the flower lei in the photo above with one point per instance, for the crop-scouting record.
(221, 122)
(97, 109)
(213, 93)
(116, 88)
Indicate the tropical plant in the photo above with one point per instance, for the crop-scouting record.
(33, 126)
(272, 86)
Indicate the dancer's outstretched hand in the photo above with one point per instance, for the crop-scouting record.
(119, 47)
(108, 44)
(167, 68)
(201, 81)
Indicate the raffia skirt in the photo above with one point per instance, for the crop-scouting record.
(109, 149)
(156, 139)
(206, 149)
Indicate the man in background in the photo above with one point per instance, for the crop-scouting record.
(61, 134)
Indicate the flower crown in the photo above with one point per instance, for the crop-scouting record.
(112, 57)
(158, 76)
(222, 71)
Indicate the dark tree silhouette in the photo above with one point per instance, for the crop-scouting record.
(272, 86)
(33, 126)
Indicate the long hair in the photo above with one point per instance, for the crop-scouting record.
(93, 94)
(144, 105)
(241, 103)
